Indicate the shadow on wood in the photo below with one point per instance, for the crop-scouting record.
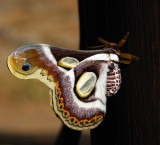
(68, 136)
(133, 115)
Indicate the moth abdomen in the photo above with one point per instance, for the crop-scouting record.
(113, 80)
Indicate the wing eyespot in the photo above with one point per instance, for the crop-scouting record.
(86, 84)
(26, 67)
(68, 62)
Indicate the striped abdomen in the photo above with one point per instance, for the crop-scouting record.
(113, 79)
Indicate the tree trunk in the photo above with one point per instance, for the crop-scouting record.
(133, 116)
(68, 136)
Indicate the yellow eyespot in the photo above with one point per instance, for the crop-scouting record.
(86, 84)
(19, 68)
(68, 62)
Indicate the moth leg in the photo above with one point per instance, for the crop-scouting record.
(126, 58)
(107, 42)
(121, 43)
(125, 61)
(97, 46)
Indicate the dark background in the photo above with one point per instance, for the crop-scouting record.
(132, 114)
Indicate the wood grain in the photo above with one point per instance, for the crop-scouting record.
(133, 115)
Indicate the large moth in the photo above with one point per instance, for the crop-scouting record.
(79, 81)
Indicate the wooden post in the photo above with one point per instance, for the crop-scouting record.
(133, 115)
(68, 136)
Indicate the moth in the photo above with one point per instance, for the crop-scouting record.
(79, 81)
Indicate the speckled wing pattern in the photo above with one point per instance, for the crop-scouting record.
(79, 81)
(86, 113)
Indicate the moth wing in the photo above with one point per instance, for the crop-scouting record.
(68, 62)
(90, 77)
(76, 109)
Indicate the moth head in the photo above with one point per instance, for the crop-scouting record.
(25, 61)
(125, 58)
